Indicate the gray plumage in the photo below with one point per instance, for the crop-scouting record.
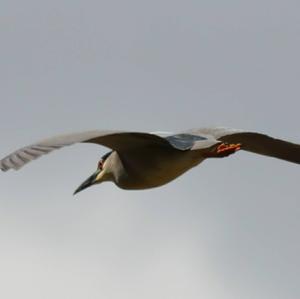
(145, 160)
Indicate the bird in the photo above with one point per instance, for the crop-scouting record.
(141, 160)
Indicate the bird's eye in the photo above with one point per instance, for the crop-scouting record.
(100, 164)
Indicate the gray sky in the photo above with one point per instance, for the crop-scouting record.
(226, 230)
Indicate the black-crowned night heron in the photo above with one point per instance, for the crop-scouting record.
(147, 160)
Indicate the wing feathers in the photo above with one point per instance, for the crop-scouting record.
(116, 140)
(266, 145)
(255, 142)
(123, 141)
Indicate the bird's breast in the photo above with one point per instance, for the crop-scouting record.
(143, 170)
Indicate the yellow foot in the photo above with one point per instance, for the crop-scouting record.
(226, 148)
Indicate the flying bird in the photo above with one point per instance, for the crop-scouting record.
(140, 160)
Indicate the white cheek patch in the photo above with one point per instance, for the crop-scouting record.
(100, 176)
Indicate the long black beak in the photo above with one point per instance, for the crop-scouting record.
(88, 182)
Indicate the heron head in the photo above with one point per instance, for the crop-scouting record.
(100, 175)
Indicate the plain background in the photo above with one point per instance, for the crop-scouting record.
(227, 229)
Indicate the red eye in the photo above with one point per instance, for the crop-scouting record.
(100, 164)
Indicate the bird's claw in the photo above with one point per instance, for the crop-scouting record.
(228, 148)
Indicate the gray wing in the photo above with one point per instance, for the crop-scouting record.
(255, 142)
(184, 141)
(116, 140)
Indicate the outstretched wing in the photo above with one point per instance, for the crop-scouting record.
(116, 140)
(255, 142)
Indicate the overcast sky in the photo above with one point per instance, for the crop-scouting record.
(228, 229)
